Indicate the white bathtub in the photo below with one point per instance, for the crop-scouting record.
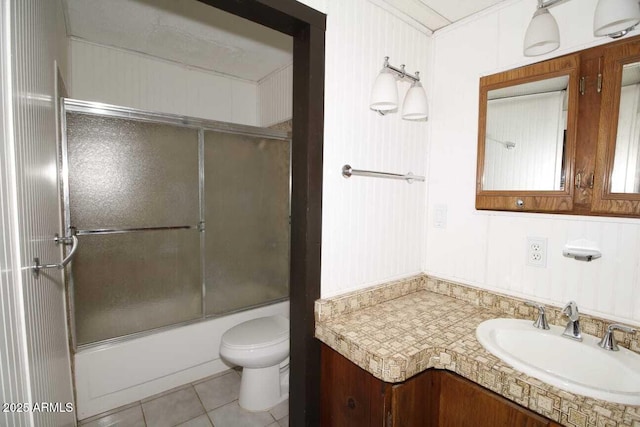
(126, 372)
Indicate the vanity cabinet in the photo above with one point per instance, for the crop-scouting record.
(563, 135)
(352, 397)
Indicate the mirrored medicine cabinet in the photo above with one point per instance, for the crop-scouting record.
(563, 135)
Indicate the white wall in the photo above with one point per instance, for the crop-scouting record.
(114, 76)
(372, 228)
(487, 249)
(34, 350)
(275, 97)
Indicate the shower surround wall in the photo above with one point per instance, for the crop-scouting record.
(120, 77)
(34, 356)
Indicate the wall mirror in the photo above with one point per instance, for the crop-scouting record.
(625, 177)
(526, 137)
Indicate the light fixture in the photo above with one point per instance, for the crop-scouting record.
(415, 105)
(613, 18)
(542, 35)
(384, 95)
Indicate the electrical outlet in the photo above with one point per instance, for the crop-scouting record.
(537, 251)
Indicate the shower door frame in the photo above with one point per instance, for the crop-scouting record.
(68, 105)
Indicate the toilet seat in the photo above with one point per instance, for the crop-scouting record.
(257, 333)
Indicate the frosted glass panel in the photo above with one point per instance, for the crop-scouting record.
(247, 221)
(130, 174)
(131, 282)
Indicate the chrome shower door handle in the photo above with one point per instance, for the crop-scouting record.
(73, 240)
(72, 252)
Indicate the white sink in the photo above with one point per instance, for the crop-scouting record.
(577, 367)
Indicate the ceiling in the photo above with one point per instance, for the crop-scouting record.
(197, 35)
(184, 31)
(436, 14)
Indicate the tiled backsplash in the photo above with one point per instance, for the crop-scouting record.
(510, 306)
(352, 301)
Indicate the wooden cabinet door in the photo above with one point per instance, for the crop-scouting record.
(617, 184)
(415, 402)
(350, 396)
(464, 403)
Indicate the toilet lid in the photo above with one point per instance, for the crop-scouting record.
(258, 332)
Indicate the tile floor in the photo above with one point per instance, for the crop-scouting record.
(209, 402)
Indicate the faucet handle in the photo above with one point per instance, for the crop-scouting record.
(541, 321)
(608, 342)
(571, 311)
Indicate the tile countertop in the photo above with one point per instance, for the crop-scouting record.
(399, 329)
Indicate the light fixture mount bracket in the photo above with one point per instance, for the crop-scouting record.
(401, 73)
(549, 3)
(622, 33)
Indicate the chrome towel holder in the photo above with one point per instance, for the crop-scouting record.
(72, 240)
(348, 171)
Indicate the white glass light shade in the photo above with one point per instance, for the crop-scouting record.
(615, 16)
(542, 35)
(384, 95)
(415, 105)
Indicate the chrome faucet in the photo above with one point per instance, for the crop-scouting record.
(608, 342)
(541, 321)
(573, 326)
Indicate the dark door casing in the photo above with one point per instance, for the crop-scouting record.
(307, 27)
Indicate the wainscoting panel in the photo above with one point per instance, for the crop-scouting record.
(372, 228)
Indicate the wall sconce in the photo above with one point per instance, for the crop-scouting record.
(384, 95)
(613, 18)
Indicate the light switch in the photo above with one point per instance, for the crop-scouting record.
(440, 216)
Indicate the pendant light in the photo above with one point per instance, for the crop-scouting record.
(384, 96)
(612, 18)
(615, 18)
(415, 106)
(542, 35)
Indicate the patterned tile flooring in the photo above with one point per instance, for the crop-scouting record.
(210, 402)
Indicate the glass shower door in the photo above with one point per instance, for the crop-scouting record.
(246, 199)
(133, 190)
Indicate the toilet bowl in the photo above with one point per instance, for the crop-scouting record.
(261, 347)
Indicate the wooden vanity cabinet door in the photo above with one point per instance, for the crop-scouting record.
(415, 402)
(350, 396)
(462, 400)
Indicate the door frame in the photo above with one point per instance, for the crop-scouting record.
(307, 27)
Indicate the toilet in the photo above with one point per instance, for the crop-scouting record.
(261, 347)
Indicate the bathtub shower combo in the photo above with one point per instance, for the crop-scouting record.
(179, 220)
